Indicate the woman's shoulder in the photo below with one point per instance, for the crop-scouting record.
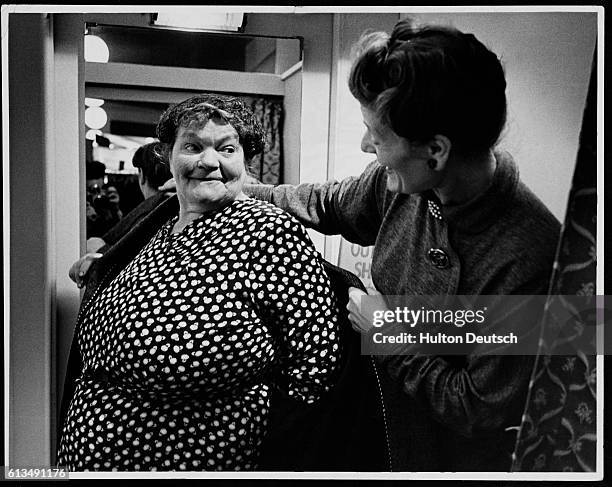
(522, 210)
(268, 216)
(527, 203)
(529, 228)
(267, 224)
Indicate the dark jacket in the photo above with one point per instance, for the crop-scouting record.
(443, 413)
(344, 431)
(132, 218)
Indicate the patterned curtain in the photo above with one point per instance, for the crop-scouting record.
(268, 167)
(558, 431)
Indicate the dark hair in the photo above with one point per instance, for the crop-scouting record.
(201, 108)
(150, 158)
(432, 80)
(94, 170)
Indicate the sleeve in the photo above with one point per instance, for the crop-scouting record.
(352, 208)
(293, 293)
(480, 393)
(470, 395)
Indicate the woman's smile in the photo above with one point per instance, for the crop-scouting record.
(206, 179)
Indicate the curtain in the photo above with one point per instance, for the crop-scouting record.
(268, 167)
(558, 430)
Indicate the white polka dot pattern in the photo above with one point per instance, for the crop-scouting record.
(186, 339)
(434, 209)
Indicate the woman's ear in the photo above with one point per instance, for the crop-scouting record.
(439, 148)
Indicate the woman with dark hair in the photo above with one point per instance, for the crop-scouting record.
(186, 330)
(447, 215)
(153, 168)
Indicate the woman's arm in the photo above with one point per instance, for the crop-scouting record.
(481, 395)
(352, 208)
(294, 296)
(485, 391)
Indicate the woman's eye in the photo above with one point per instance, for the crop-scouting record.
(228, 149)
(190, 147)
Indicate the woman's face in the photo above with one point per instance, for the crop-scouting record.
(406, 163)
(207, 163)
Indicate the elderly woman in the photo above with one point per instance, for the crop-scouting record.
(447, 214)
(180, 342)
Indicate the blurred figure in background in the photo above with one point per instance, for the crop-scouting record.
(153, 171)
(101, 213)
(112, 193)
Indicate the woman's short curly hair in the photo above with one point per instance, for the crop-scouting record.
(432, 80)
(200, 108)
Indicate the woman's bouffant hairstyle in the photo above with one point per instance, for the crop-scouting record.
(201, 108)
(432, 80)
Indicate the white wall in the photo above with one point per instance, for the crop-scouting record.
(547, 58)
(316, 30)
(29, 407)
(346, 158)
(345, 155)
(46, 143)
(66, 185)
(292, 127)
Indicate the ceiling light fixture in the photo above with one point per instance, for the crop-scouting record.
(199, 19)
(95, 117)
(96, 50)
(93, 102)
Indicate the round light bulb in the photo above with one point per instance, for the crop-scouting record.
(96, 50)
(91, 134)
(93, 102)
(95, 117)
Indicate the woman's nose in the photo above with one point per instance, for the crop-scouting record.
(366, 144)
(208, 160)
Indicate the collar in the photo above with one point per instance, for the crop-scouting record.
(485, 209)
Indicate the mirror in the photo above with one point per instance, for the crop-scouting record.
(146, 69)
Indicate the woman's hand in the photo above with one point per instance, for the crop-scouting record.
(168, 186)
(94, 244)
(79, 269)
(361, 315)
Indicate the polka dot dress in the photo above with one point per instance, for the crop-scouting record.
(180, 351)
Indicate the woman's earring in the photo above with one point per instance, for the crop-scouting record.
(432, 163)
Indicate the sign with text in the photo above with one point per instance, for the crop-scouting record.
(358, 260)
